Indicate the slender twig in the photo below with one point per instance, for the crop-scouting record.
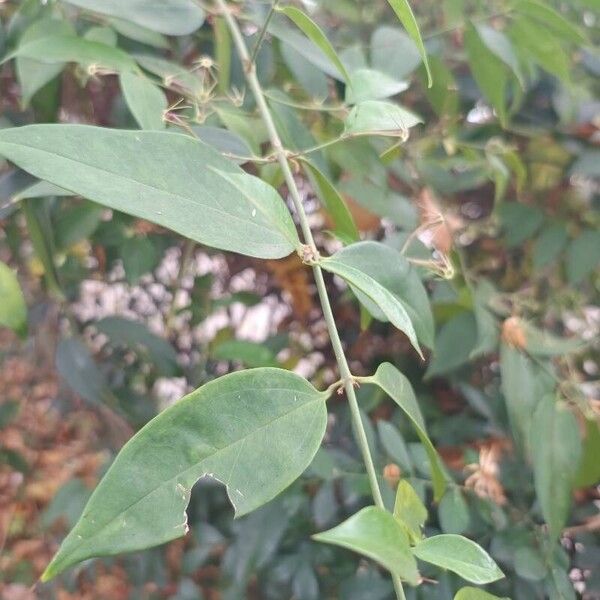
(263, 31)
(336, 342)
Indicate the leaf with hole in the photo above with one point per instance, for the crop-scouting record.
(397, 386)
(167, 178)
(375, 533)
(459, 555)
(255, 431)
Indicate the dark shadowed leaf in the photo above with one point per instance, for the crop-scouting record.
(556, 449)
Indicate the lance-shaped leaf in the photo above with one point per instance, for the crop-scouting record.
(375, 533)
(171, 17)
(459, 555)
(69, 48)
(255, 431)
(374, 117)
(388, 286)
(556, 449)
(166, 178)
(472, 593)
(407, 18)
(397, 386)
(553, 20)
(13, 312)
(314, 33)
(145, 100)
(334, 204)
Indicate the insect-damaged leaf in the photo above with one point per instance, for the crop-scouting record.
(255, 431)
(166, 178)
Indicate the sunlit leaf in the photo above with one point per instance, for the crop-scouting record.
(459, 555)
(368, 84)
(13, 311)
(471, 593)
(410, 510)
(373, 117)
(375, 533)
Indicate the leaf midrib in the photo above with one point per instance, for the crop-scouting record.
(186, 199)
(320, 397)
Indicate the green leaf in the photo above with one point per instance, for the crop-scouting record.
(549, 17)
(171, 17)
(454, 344)
(544, 48)
(223, 140)
(389, 41)
(583, 256)
(255, 431)
(314, 33)
(134, 334)
(373, 117)
(459, 555)
(519, 222)
(529, 564)
(487, 325)
(388, 285)
(453, 512)
(334, 204)
(367, 84)
(522, 385)
(139, 34)
(140, 256)
(407, 18)
(13, 311)
(488, 70)
(471, 593)
(409, 510)
(167, 178)
(395, 446)
(146, 100)
(77, 223)
(589, 468)
(252, 354)
(443, 94)
(549, 244)
(543, 343)
(77, 367)
(32, 74)
(369, 291)
(68, 48)
(556, 449)
(397, 386)
(500, 45)
(375, 533)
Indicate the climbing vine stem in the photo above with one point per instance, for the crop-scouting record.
(345, 374)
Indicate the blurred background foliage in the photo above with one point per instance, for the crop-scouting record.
(495, 196)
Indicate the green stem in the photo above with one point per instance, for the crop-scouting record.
(336, 342)
(263, 31)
